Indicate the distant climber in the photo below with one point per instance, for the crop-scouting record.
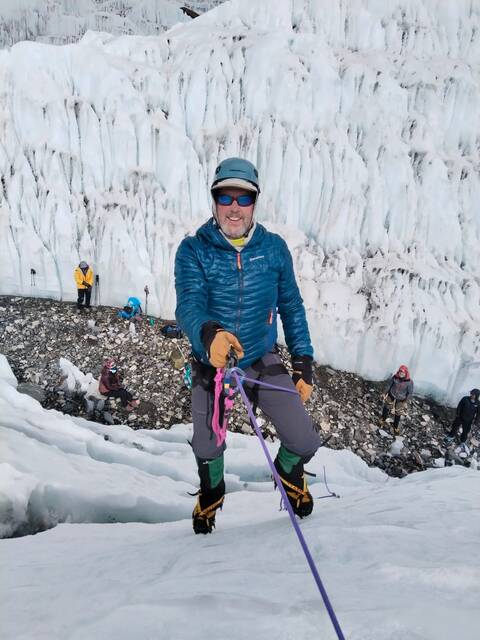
(110, 385)
(132, 310)
(468, 410)
(189, 12)
(398, 392)
(83, 275)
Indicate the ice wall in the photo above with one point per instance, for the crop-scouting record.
(63, 21)
(363, 118)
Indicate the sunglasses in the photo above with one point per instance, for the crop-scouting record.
(245, 200)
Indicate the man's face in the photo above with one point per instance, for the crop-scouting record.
(233, 219)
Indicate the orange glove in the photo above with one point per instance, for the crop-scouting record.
(302, 376)
(220, 348)
(304, 389)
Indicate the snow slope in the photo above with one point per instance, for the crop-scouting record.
(399, 558)
(363, 118)
(63, 21)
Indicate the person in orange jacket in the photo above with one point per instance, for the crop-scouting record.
(83, 275)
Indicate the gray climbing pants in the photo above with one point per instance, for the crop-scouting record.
(295, 428)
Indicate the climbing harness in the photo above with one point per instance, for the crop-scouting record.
(226, 392)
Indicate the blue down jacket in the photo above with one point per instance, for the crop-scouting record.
(242, 291)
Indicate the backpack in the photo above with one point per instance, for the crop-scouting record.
(171, 331)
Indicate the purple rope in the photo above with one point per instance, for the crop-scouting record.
(286, 501)
(265, 384)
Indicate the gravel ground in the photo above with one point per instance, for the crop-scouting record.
(35, 333)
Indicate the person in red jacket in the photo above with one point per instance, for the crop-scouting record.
(397, 394)
(110, 386)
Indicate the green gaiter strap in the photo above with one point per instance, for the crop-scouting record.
(215, 471)
(210, 472)
(287, 459)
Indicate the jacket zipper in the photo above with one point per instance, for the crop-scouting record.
(240, 295)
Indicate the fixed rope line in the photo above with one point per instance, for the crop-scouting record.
(235, 372)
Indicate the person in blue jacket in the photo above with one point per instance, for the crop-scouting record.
(131, 310)
(232, 279)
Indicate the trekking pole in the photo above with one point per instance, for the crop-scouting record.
(146, 299)
(182, 352)
(33, 273)
(235, 372)
(97, 290)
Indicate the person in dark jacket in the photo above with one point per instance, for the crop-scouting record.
(468, 411)
(110, 385)
(398, 392)
(83, 275)
(232, 279)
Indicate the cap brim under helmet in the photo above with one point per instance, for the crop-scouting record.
(235, 182)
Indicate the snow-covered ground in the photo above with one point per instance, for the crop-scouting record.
(399, 558)
(363, 118)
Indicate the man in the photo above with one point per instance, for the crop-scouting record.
(231, 279)
(83, 275)
(398, 392)
(467, 411)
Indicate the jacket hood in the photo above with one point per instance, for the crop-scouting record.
(403, 369)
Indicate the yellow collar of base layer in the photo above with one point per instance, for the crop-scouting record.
(237, 242)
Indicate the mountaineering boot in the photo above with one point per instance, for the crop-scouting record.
(208, 501)
(290, 470)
